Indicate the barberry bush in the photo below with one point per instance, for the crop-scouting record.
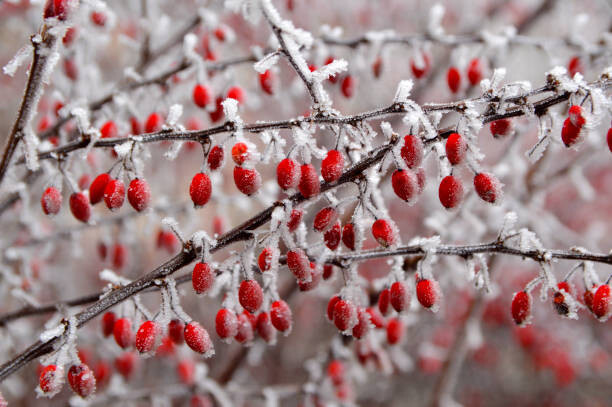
(306, 202)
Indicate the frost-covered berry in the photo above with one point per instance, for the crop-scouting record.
(245, 329)
(201, 95)
(332, 165)
(576, 116)
(521, 308)
(333, 78)
(559, 298)
(399, 296)
(330, 307)
(456, 147)
(348, 86)
(395, 331)
(384, 232)
(453, 79)
(405, 185)
(264, 327)
(176, 330)
(125, 364)
(570, 134)
(363, 324)
(200, 189)
(412, 151)
(281, 316)
(309, 181)
(298, 263)
(295, 218)
(384, 300)
(345, 315)
(602, 302)
(226, 323)
(114, 194)
(333, 236)
(108, 323)
(501, 127)
(325, 218)
(488, 187)
(197, 338)
(147, 336)
(109, 130)
(79, 206)
(474, 71)
(450, 192)
(376, 317)
(57, 8)
(215, 157)
(153, 123)
(575, 66)
(247, 180)
(266, 258)
(236, 92)
(267, 81)
(428, 293)
(51, 201)
(82, 380)
(315, 278)
(139, 194)
(287, 174)
(202, 277)
(97, 187)
(348, 236)
(250, 295)
(51, 380)
(422, 67)
(122, 331)
(240, 153)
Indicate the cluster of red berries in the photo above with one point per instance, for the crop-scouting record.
(473, 73)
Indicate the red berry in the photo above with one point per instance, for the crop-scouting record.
(399, 296)
(333, 236)
(51, 201)
(294, 219)
(395, 331)
(79, 206)
(135, 125)
(377, 67)
(345, 315)
(226, 323)
(363, 324)
(559, 301)
(119, 255)
(84, 181)
(336, 371)
(280, 315)
(384, 300)
(215, 157)
(236, 92)
(70, 69)
(287, 174)
(405, 185)
(122, 331)
(197, 338)
(332, 165)
(81, 380)
(376, 317)
(250, 295)
(139, 194)
(588, 298)
(240, 153)
(109, 130)
(422, 69)
(201, 95)
(453, 78)
(245, 329)
(57, 8)
(198, 400)
(309, 181)
(200, 189)
(202, 278)
(348, 236)
(328, 271)
(125, 364)
(333, 78)
(114, 194)
(474, 72)
(384, 232)
(450, 192)
(247, 180)
(147, 336)
(102, 373)
(412, 151)
(264, 327)
(167, 240)
(267, 81)
(456, 147)
(521, 308)
(186, 370)
(609, 137)
(108, 323)
(570, 134)
(575, 66)
(487, 187)
(602, 302)
(97, 187)
(50, 379)
(217, 114)
(428, 293)
(576, 116)
(153, 123)
(69, 37)
(501, 127)
(298, 263)
(175, 331)
(324, 219)
(266, 258)
(348, 86)
(315, 278)
(98, 18)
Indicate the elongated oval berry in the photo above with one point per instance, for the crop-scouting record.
(377, 67)
(217, 114)
(287, 174)
(108, 323)
(109, 130)
(348, 236)
(363, 324)
(126, 363)
(295, 219)
(395, 331)
(51, 201)
(200, 189)
(336, 372)
(325, 218)
(202, 277)
(226, 323)
(114, 194)
(185, 371)
(456, 147)
(576, 116)
(215, 157)
(81, 380)
(119, 255)
(488, 187)
(420, 67)
(245, 329)
(79, 206)
(384, 300)
(250, 295)
(474, 71)
(330, 307)
(521, 308)
(602, 302)
(333, 236)
(201, 95)
(333, 78)
(332, 165)
(281, 316)
(405, 185)
(298, 263)
(247, 180)
(412, 151)
(236, 92)
(309, 181)
(97, 187)
(153, 123)
(240, 153)
(450, 192)
(57, 8)
(176, 330)
(609, 138)
(122, 331)
(148, 336)
(264, 327)
(266, 258)
(345, 315)
(501, 127)
(574, 66)
(570, 134)
(197, 338)
(348, 86)
(328, 271)
(376, 317)
(51, 379)
(315, 278)
(453, 79)
(399, 296)
(139, 194)
(428, 293)
(384, 232)
(267, 80)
